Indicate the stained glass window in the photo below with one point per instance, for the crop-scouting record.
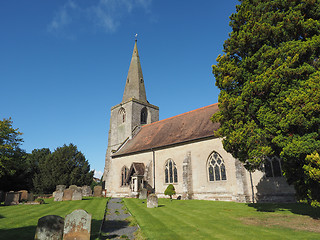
(216, 168)
(124, 175)
(272, 167)
(171, 172)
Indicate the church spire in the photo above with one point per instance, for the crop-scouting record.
(135, 84)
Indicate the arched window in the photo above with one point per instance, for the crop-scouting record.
(124, 175)
(170, 172)
(121, 115)
(272, 167)
(144, 115)
(216, 167)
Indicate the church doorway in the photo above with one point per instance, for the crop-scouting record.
(136, 177)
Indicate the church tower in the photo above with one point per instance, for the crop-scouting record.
(127, 117)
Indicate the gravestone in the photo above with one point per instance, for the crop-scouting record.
(143, 194)
(73, 187)
(23, 195)
(77, 225)
(67, 194)
(58, 196)
(152, 201)
(60, 188)
(2, 196)
(12, 198)
(77, 194)
(86, 191)
(49, 228)
(97, 191)
(30, 197)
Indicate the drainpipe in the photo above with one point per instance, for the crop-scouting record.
(251, 187)
(154, 169)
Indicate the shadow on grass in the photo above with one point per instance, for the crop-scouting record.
(296, 208)
(114, 225)
(29, 232)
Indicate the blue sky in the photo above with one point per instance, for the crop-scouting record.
(63, 63)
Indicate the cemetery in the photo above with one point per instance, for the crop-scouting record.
(105, 218)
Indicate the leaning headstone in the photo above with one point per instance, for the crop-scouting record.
(143, 194)
(30, 197)
(97, 191)
(23, 195)
(67, 194)
(152, 201)
(49, 228)
(77, 194)
(12, 198)
(86, 191)
(77, 225)
(60, 188)
(58, 196)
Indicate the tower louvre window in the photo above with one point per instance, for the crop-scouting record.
(144, 115)
(121, 115)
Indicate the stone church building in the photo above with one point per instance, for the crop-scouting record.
(145, 153)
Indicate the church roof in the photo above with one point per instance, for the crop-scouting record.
(135, 83)
(189, 126)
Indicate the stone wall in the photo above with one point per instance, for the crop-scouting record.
(193, 181)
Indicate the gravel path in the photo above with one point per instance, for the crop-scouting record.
(115, 226)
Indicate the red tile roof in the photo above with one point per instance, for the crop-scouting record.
(182, 128)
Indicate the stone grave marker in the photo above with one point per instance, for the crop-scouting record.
(60, 188)
(23, 195)
(97, 191)
(49, 228)
(73, 187)
(67, 194)
(143, 194)
(12, 198)
(77, 194)
(58, 196)
(152, 201)
(77, 225)
(30, 197)
(86, 191)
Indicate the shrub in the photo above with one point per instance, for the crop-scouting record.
(40, 200)
(170, 191)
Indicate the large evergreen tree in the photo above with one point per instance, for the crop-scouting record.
(66, 166)
(269, 79)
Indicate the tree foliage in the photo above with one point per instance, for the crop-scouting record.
(65, 166)
(10, 151)
(270, 88)
(170, 191)
(12, 158)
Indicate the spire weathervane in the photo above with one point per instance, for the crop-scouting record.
(136, 36)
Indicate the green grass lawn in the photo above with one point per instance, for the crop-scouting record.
(20, 221)
(196, 219)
